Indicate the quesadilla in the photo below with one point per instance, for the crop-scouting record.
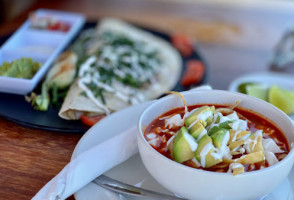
(122, 65)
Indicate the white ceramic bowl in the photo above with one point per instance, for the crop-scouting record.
(203, 185)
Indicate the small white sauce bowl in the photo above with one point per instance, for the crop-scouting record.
(203, 185)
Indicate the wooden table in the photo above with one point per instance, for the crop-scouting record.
(231, 39)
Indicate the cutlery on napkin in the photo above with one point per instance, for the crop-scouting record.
(95, 161)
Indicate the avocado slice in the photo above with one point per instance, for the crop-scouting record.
(196, 129)
(195, 114)
(205, 145)
(222, 126)
(184, 146)
(226, 124)
(214, 130)
(219, 137)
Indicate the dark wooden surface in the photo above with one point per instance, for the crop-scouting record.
(29, 158)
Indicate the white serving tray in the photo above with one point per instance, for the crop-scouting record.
(41, 45)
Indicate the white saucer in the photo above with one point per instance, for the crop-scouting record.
(283, 80)
(267, 78)
(132, 171)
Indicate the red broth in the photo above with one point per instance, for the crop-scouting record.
(256, 122)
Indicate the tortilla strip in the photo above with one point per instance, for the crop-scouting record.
(75, 104)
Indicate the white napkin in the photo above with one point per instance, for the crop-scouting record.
(71, 179)
(95, 161)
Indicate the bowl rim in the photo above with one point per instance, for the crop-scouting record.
(140, 134)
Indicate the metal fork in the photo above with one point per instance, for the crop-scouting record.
(126, 189)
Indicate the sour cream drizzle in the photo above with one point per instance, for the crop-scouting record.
(202, 117)
(86, 79)
(192, 143)
(204, 152)
(135, 62)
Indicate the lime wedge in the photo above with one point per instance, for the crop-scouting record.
(242, 87)
(290, 93)
(257, 90)
(283, 99)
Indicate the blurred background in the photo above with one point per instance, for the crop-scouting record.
(228, 33)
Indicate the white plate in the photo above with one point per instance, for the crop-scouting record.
(267, 78)
(132, 171)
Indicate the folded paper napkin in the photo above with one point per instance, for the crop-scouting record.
(72, 178)
(95, 161)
